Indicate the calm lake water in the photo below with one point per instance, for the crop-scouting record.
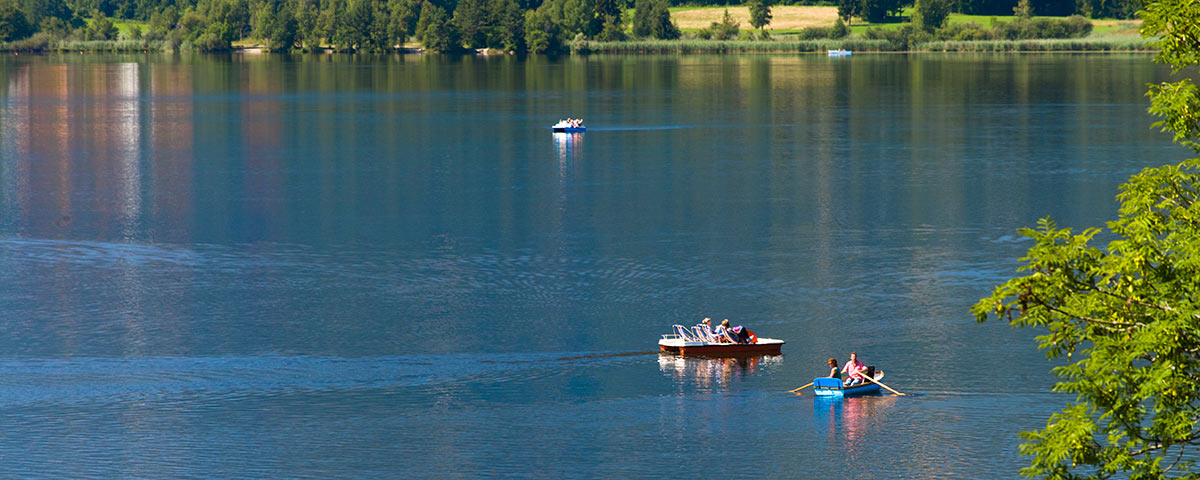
(336, 267)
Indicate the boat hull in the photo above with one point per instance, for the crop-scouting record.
(569, 129)
(765, 346)
(832, 387)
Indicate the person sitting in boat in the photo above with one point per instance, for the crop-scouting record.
(833, 369)
(854, 370)
(705, 327)
(738, 334)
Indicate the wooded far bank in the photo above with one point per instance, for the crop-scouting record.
(550, 26)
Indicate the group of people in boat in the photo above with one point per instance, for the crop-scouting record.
(855, 370)
(724, 331)
(572, 122)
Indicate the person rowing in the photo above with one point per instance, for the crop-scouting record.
(854, 370)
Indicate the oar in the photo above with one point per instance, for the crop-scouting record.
(794, 390)
(890, 389)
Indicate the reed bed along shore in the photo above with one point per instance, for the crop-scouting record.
(731, 46)
(42, 44)
(1098, 43)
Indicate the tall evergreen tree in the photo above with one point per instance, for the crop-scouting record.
(606, 11)
(471, 20)
(508, 25)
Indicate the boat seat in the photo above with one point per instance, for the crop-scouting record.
(684, 333)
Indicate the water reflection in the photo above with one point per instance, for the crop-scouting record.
(852, 421)
(715, 373)
(569, 145)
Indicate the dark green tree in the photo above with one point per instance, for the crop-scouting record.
(379, 37)
(760, 14)
(727, 29)
(877, 11)
(930, 15)
(436, 31)
(281, 29)
(37, 11)
(574, 16)
(101, 28)
(310, 30)
(13, 23)
(542, 33)
(613, 31)
(652, 18)
(1126, 317)
(228, 19)
(641, 17)
(1023, 10)
(661, 24)
(606, 11)
(847, 9)
(471, 20)
(508, 25)
(403, 16)
(363, 26)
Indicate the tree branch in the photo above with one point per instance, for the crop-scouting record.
(1052, 308)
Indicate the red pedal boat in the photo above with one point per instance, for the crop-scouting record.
(699, 342)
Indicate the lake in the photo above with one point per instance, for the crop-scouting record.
(389, 267)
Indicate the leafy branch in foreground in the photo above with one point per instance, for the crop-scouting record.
(1127, 316)
(1128, 319)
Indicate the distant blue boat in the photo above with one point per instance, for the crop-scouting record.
(832, 387)
(569, 126)
(840, 53)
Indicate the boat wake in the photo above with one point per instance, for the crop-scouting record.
(635, 128)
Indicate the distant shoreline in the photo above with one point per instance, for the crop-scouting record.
(1112, 43)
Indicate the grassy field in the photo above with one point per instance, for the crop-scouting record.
(783, 18)
(125, 26)
(790, 19)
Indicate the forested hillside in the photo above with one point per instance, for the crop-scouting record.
(439, 25)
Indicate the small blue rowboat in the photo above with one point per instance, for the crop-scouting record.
(832, 387)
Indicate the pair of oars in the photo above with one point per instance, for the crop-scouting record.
(890, 389)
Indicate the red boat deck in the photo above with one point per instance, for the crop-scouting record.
(764, 347)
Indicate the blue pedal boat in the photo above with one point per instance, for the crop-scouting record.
(564, 126)
(832, 387)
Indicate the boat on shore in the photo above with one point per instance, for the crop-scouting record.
(693, 342)
(569, 126)
(833, 387)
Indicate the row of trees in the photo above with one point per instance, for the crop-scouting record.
(440, 25)
(348, 25)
